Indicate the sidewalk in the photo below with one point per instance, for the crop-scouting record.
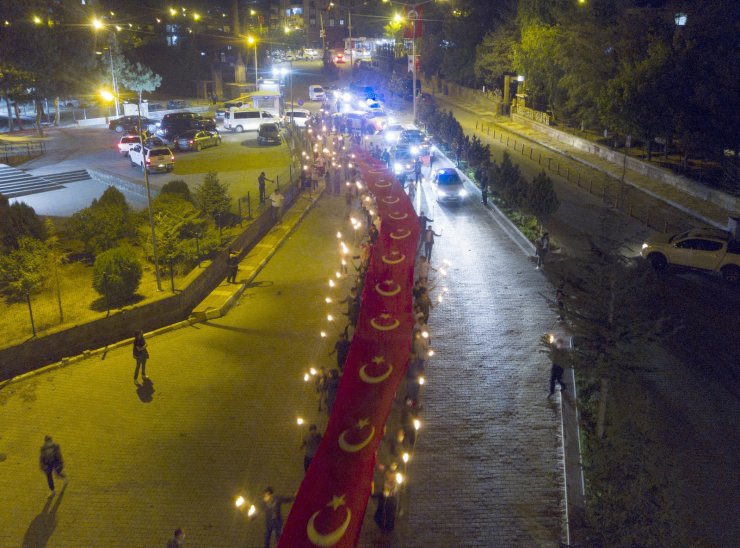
(702, 210)
(218, 418)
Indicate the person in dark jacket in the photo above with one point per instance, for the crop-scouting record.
(141, 354)
(556, 376)
(51, 462)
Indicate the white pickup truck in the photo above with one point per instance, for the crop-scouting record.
(699, 248)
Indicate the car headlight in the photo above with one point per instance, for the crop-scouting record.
(462, 193)
(644, 246)
(397, 167)
(414, 150)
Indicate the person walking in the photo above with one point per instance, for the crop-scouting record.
(423, 220)
(429, 235)
(484, 193)
(311, 445)
(51, 462)
(341, 347)
(556, 376)
(271, 507)
(261, 182)
(276, 199)
(232, 266)
(424, 302)
(542, 248)
(141, 354)
(422, 270)
(417, 170)
(431, 162)
(177, 540)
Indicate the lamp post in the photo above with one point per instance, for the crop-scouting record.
(413, 14)
(252, 41)
(108, 97)
(97, 25)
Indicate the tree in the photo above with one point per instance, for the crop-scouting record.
(137, 77)
(17, 221)
(212, 197)
(541, 198)
(22, 270)
(117, 273)
(177, 223)
(494, 56)
(14, 85)
(104, 224)
(533, 57)
(510, 184)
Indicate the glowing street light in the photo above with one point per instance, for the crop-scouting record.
(299, 421)
(405, 457)
(252, 41)
(417, 424)
(239, 502)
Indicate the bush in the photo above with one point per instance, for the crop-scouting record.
(179, 187)
(117, 274)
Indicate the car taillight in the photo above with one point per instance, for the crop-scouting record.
(191, 142)
(148, 161)
(172, 157)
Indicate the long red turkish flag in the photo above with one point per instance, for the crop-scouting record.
(332, 499)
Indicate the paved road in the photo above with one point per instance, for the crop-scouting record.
(489, 464)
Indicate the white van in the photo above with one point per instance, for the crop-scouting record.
(246, 119)
(316, 93)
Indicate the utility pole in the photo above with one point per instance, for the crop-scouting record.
(149, 205)
(351, 45)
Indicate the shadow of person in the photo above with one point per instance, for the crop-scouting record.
(145, 390)
(42, 526)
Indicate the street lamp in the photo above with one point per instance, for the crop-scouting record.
(251, 40)
(98, 25)
(109, 96)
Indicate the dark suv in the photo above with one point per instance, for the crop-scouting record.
(175, 123)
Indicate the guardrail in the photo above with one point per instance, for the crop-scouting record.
(13, 154)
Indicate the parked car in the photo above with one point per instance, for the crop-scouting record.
(156, 158)
(173, 104)
(299, 116)
(197, 139)
(130, 124)
(239, 102)
(246, 119)
(447, 185)
(269, 134)
(707, 249)
(316, 93)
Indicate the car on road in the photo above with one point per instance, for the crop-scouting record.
(194, 139)
(126, 142)
(339, 58)
(706, 249)
(269, 134)
(155, 158)
(448, 186)
(392, 132)
(403, 161)
(299, 116)
(316, 93)
(130, 124)
(243, 101)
